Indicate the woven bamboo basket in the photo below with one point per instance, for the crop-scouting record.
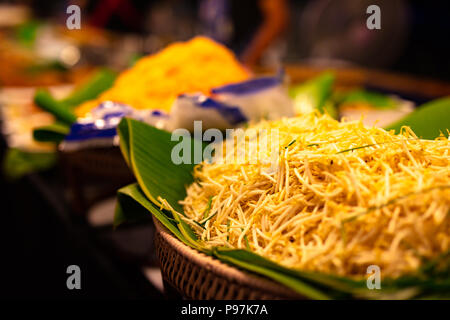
(93, 175)
(100, 162)
(197, 276)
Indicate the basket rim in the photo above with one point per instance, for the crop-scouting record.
(232, 274)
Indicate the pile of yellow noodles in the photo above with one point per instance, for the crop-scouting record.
(340, 197)
(155, 81)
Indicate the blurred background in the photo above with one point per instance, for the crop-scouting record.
(50, 223)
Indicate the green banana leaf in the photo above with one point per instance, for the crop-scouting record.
(375, 99)
(428, 121)
(36, 69)
(62, 113)
(314, 94)
(148, 152)
(148, 159)
(101, 81)
(51, 133)
(124, 135)
(18, 163)
(26, 32)
(63, 109)
(137, 207)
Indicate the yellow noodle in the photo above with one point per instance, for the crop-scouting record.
(326, 210)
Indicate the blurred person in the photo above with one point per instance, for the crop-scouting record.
(249, 27)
